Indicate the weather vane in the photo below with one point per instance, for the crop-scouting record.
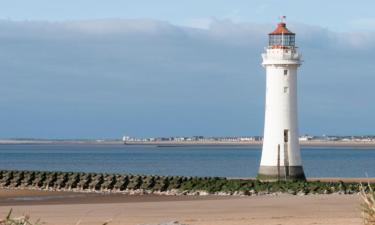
(282, 19)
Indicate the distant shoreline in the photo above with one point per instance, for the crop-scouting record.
(361, 144)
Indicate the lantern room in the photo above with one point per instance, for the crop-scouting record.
(281, 37)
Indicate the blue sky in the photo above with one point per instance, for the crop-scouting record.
(89, 69)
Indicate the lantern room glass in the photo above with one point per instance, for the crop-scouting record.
(281, 40)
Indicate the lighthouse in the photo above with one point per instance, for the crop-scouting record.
(281, 157)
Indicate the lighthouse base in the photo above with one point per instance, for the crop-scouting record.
(281, 173)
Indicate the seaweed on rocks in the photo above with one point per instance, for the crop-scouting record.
(40, 177)
(174, 182)
(84, 181)
(161, 184)
(109, 182)
(148, 183)
(122, 182)
(28, 179)
(61, 180)
(167, 184)
(6, 179)
(50, 180)
(96, 182)
(135, 182)
(73, 180)
(210, 185)
(17, 179)
(231, 186)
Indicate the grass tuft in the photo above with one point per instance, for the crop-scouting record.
(23, 220)
(368, 204)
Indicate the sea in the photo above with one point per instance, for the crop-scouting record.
(221, 161)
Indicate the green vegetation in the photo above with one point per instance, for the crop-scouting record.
(176, 184)
(248, 187)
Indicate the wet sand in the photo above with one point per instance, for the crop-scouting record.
(36, 197)
(63, 208)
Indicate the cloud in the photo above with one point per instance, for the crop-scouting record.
(100, 78)
(363, 23)
(357, 40)
(119, 26)
(200, 23)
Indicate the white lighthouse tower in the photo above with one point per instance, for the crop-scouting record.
(281, 157)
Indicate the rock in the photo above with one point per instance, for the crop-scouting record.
(161, 184)
(28, 179)
(39, 179)
(135, 182)
(202, 193)
(148, 182)
(175, 182)
(222, 193)
(50, 180)
(96, 182)
(7, 177)
(17, 179)
(84, 181)
(109, 182)
(240, 193)
(122, 182)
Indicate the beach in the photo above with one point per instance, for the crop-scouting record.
(67, 208)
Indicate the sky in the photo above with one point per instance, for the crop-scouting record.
(103, 69)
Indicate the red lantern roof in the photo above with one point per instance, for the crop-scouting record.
(281, 29)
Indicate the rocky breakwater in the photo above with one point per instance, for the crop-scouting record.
(164, 185)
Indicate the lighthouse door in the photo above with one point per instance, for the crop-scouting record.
(286, 155)
(278, 162)
(286, 136)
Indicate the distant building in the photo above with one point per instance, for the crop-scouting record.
(125, 138)
(306, 138)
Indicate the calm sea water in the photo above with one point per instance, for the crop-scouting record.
(232, 161)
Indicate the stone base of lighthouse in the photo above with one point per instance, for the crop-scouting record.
(277, 173)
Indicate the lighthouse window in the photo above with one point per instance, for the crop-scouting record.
(286, 89)
(281, 39)
(285, 72)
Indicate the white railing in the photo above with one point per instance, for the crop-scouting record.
(281, 56)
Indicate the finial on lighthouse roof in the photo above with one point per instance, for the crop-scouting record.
(281, 27)
(282, 19)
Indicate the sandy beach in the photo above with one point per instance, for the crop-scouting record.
(67, 208)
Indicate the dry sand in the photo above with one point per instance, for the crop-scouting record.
(63, 208)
